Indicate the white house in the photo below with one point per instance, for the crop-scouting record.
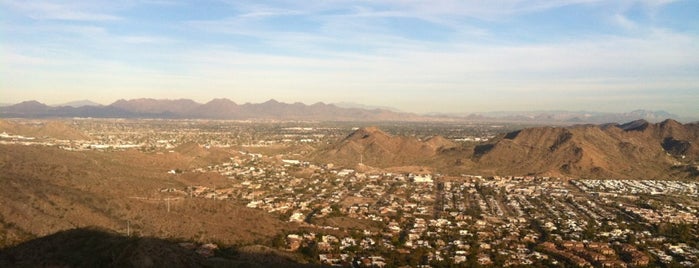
(422, 178)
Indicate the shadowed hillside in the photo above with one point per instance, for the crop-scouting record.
(95, 247)
(91, 247)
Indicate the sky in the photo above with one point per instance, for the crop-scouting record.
(450, 56)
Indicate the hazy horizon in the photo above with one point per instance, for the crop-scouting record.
(420, 57)
(493, 113)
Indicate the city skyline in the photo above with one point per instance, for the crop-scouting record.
(443, 56)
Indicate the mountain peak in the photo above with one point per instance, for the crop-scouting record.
(79, 103)
(220, 101)
(27, 107)
(31, 103)
(366, 132)
(372, 146)
(438, 141)
(670, 122)
(636, 125)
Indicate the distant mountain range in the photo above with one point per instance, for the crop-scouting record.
(570, 117)
(274, 110)
(214, 109)
(362, 106)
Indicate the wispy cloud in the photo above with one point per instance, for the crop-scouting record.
(59, 11)
(624, 22)
(144, 39)
(455, 53)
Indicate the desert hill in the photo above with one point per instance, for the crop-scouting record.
(53, 129)
(192, 149)
(11, 127)
(198, 155)
(374, 147)
(637, 149)
(45, 189)
(59, 130)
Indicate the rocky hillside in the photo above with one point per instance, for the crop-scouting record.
(637, 149)
(374, 147)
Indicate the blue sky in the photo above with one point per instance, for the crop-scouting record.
(418, 56)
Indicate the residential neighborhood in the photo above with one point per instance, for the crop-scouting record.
(430, 219)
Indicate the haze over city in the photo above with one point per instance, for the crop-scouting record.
(417, 56)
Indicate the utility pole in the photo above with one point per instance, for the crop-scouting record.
(168, 204)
